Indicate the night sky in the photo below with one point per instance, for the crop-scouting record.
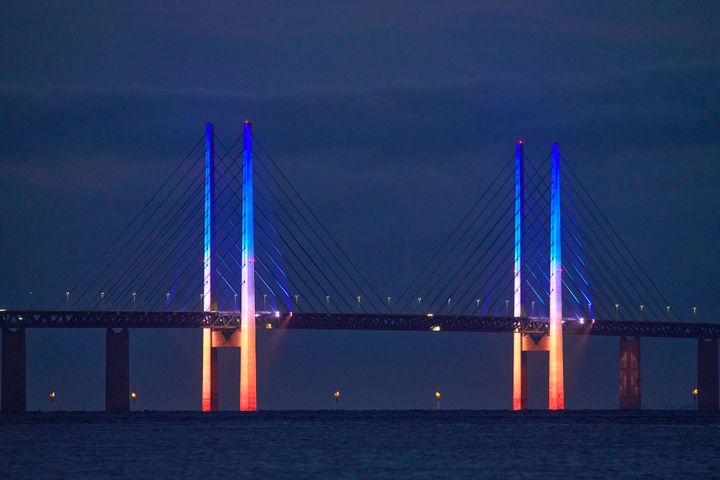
(389, 117)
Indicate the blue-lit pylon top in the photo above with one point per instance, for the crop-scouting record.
(519, 200)
(555, 237)
(209, 215)
(248, 230)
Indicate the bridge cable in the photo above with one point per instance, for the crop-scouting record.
(134, 219)
(322, 226)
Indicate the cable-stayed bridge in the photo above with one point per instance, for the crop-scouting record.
(228, 245)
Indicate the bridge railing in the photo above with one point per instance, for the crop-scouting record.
(348, 321)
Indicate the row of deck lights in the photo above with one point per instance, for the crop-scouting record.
(359, 299)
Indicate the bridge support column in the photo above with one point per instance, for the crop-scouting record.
(707, 374)
(556, 383)
(248, 389)
(519, 356)
(519, 373)
(630, 373)
(209, 374)
(209, 399)
(117, 370)
(13, 370)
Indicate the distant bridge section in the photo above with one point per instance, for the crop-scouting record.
(350, 321)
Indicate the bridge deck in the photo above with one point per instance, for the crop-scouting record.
(352, 321)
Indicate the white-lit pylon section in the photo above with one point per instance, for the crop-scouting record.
(248, 391)
(519, 395)
(556, 383)
(207, 401)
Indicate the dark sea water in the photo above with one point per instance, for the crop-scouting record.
(354, 444)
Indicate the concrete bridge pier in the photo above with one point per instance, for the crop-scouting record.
(13, 370)
(212, 340)
(210, 373)
(117, 370)
(707, 374)
(630, 373)
(525, 343)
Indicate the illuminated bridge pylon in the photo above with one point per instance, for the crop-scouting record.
(526, 340)
(235, 336)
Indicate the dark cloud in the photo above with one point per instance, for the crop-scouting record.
(658, 107)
